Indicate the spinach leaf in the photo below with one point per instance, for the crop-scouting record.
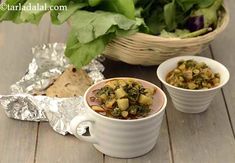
(11, 15)
(93, 3)
(34, 16)
(205, 3)
(82, 54)
(156, 21)
(92, 31)
(124, 7)
(186, 5)
(169, 15)
(59, 17)
(91, 25)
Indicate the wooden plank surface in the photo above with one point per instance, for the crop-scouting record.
(202, 138)
(55, 148)
(58, 33)
(223, 51)
(161, 152)
(17, 138)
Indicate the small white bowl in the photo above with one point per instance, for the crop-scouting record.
(192, 101)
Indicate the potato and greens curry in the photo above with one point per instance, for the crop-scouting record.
(193, 75)
(123, 99)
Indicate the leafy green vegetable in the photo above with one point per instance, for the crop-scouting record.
(177, 33)
(34, 16)
(169, 15)
(95, 22)
(92, 32)
(156, 21)
(205, 3)
(125, 7)
(196, 33)
(93, 3)
(93, 25)
(209, 14)
(188, 4)
(13, 16)
(81, 54)
(59, 17)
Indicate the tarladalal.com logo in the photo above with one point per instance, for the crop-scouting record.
(31, 7)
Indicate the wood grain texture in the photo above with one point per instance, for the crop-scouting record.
(161, 152)
(202, 138)
(223, 51)
(16, 42)
(55, 148)
(58, 33)
(17, 138)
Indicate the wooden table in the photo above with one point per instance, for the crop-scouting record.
(185, 138)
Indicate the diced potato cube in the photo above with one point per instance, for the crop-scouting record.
(188, 74)
(177, 70)
(192, 85)
(120, 93)
(109, 104)
(216, 81)
(150, 91)
(124, 114)
(182, 67)
(145, 100)
(97, 108)
(122, 83)
(112, 84)
(129, 81)
(103, 97)
(123, 104)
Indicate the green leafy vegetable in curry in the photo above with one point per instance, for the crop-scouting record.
(123, 99)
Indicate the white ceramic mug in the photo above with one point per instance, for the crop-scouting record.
(192, 101)
(121, 138)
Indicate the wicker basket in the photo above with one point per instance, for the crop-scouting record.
(145, 49)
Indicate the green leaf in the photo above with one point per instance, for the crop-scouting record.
(11, 15)
(156, 21)
(91, 32)
(169, 15)
(205, 3)
(125, 7)
(34, 16)
(93, 25)
(93, 3)
(59, 17)
(189, 4)
(82, 54)
(186, 4)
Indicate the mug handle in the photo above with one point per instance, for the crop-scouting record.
(74, 124)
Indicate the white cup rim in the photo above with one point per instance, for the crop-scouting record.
(127, 120)
(193, 57)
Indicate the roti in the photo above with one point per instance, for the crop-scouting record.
(72, 83)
